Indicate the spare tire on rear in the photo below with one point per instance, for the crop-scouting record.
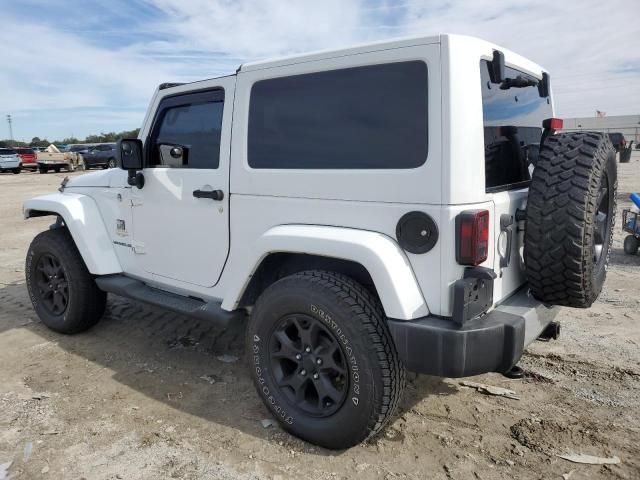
(570, 218)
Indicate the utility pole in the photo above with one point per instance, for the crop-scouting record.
(10, 127)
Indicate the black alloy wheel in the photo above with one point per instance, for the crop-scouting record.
(602, 223)
(63, 292)
(53, 288)
(322, 358)
(308, 365)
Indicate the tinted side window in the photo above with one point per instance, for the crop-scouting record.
(193, 123)
(372, 117)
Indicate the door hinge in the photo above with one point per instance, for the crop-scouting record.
(138, 247)
(136, 201)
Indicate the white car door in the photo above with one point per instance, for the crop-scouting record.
(181, 215)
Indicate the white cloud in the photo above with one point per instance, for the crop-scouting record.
(581, 42)
(47, 68)
(253, 29)
(586, 45)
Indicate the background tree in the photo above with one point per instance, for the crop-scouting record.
(6, 143)
(39, 142)
(108, 137)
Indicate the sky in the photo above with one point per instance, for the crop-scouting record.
(75, 68)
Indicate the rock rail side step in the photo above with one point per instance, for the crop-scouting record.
(136, 290)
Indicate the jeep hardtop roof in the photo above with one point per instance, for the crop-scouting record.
(445, 39)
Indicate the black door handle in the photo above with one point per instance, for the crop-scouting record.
(214, 195)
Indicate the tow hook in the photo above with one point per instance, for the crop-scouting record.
(551, 332)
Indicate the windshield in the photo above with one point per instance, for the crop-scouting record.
(6, 151)
(512, 115)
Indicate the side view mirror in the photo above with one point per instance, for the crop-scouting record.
(129, 154)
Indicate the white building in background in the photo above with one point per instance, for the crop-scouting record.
(628, 125)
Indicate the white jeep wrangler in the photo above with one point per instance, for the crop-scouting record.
(373, 209)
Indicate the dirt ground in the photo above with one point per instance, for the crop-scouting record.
(148, 394)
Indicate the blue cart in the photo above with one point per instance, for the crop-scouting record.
(631, 225)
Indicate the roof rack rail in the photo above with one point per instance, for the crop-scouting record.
(169, 85)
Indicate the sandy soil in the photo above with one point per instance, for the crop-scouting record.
(148, 394)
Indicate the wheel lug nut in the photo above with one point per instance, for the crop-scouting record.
(308, 349)
(316, 376)
(298, 356)
(303, 372)
(319, 361)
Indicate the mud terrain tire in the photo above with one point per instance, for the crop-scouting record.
(349, 322)
(570, 218)
(54, 254)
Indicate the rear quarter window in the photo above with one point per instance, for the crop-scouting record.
(371, 117)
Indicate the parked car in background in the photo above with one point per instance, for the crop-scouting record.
(81, 151)
(55, 159)
(618, 141)
(28, 157)
(103, 155)
(9, 161)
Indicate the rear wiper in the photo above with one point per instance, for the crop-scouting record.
(518, 82)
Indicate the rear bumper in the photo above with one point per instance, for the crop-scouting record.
(9, 164)
(492, 343)
(53, 162)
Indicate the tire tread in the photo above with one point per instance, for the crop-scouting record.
(367, 309)
(91, 302)
(560, 207)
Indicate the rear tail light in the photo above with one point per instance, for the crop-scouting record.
(472, 237)
(553, 124)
